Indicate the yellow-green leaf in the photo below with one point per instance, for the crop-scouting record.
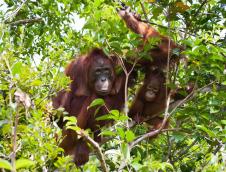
(24, 163)
(5, 164)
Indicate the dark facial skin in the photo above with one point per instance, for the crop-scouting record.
(101, 75)
(152, 90)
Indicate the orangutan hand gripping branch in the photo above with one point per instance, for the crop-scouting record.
(164, 47)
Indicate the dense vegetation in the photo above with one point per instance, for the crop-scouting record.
(37, 40)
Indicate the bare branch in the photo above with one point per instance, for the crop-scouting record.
(143, 9)
(200, 7)
(14, 143)
(14, 13)
(127, 74)
(185, 151)
(169, 151)
(25, 21)
(16, 118)
(97, 148)
(190, 96)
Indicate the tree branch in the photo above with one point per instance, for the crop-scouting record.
(97, 148)
(14, 13)
(197, 12)
(25, 21)
(144, 11)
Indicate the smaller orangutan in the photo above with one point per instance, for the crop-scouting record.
(150, 99)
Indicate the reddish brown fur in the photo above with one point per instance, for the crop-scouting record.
(149, 111)
(141, 108)
(159, 53)
(79, 98)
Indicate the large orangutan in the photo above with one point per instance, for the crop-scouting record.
(93, 76)
(163, 48)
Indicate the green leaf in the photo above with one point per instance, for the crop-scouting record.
(5, 164)
(209, 132)
(107, 133)
(24, 163)
(96, 102)
(97, 3)
(130, 136)
(123, 118)
(223, 122)
(125, 151)
(168, 165)
(17, 68)
(224, 83)
(75, 128)
(121, 132)
(178, 136)
(114, 112)
(36, 83)
(106, 117)
(70, 118)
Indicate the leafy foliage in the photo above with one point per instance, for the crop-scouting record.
(32, 59)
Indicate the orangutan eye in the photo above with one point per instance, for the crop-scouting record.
(155, 90)
(98, 72)
(106, 71)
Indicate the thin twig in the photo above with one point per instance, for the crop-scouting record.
(155, 132)
(127, 74)
(15, 123)
(126, 91)
(168, 56)
(169, 152)
(185, 151)
(190, 96)
(97, 148)
(25, 21)
(14, 13)
(13, 157)
(144, 11)
(195, 16)
(200, 7)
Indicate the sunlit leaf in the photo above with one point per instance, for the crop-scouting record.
(130, 136)
(125, 151)
(223, 122)
(209, 132)
(36, 83)
(151, 1)
(96, 102)
(107, 133)
(120, 132)
(114, 112)
(24, 163)
(5, 164)
(17, 68)
(182, 7)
